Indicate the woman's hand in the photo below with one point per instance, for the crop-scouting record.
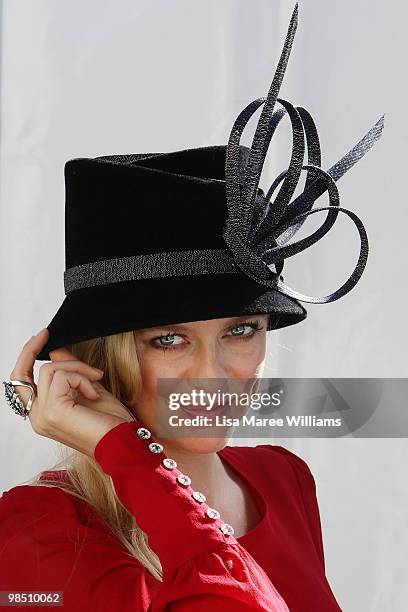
(71, 406)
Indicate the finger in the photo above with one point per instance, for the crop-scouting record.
(100, 388)
(48, 371)
(64, 382)
(24, 394)
(23, 367)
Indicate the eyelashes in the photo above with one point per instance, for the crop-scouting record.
(255, 325)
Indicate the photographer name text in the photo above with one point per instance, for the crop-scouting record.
(254, 421)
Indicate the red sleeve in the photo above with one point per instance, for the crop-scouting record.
(43, 545)
(307, 487)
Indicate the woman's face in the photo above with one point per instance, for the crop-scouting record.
(232, 348)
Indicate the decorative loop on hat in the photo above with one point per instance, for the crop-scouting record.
(247, 260)
(257, 228)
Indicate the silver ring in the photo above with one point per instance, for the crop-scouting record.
(13, 398)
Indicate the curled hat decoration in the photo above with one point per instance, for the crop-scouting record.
(257, 229)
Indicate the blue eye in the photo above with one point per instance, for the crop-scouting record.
(238, 330)
(241, 327)
(167, 343)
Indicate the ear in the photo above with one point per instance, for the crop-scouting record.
(62, 354)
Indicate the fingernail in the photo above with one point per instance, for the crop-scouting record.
(98, 370)
(38, 333)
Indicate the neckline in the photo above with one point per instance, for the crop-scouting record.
(257, 497)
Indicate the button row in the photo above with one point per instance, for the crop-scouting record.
(183, 479)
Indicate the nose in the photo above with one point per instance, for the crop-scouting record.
(208, 362)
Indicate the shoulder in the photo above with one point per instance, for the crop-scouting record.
(280, 453)
(41, 497)
(275, 461)
(273, 453)
(46, 541)
(36, 507)
(31, 517)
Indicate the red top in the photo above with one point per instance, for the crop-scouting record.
(50, 540)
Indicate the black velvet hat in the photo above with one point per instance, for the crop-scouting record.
(153, 239)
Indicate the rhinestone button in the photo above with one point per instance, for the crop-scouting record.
(170, 464)
(144, 433)
(184, 479)
(198, 496)
(212, 513)
(155, 447)
(227, 529)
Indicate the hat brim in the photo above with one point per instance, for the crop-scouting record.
(109, 309)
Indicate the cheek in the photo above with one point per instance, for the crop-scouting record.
(145, 407)
(247, 359)
(152, 368)
(162, 366)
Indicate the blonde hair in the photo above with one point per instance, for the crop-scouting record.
(117, 356)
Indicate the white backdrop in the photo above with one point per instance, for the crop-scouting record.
(97, 77)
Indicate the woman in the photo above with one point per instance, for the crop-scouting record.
(136, 521)
(52, 540)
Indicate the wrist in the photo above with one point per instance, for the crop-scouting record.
(107, 427)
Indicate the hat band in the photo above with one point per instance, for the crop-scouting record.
(151, 265)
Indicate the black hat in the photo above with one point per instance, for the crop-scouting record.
(158, 238)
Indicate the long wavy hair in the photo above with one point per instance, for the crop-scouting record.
(117, 356)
